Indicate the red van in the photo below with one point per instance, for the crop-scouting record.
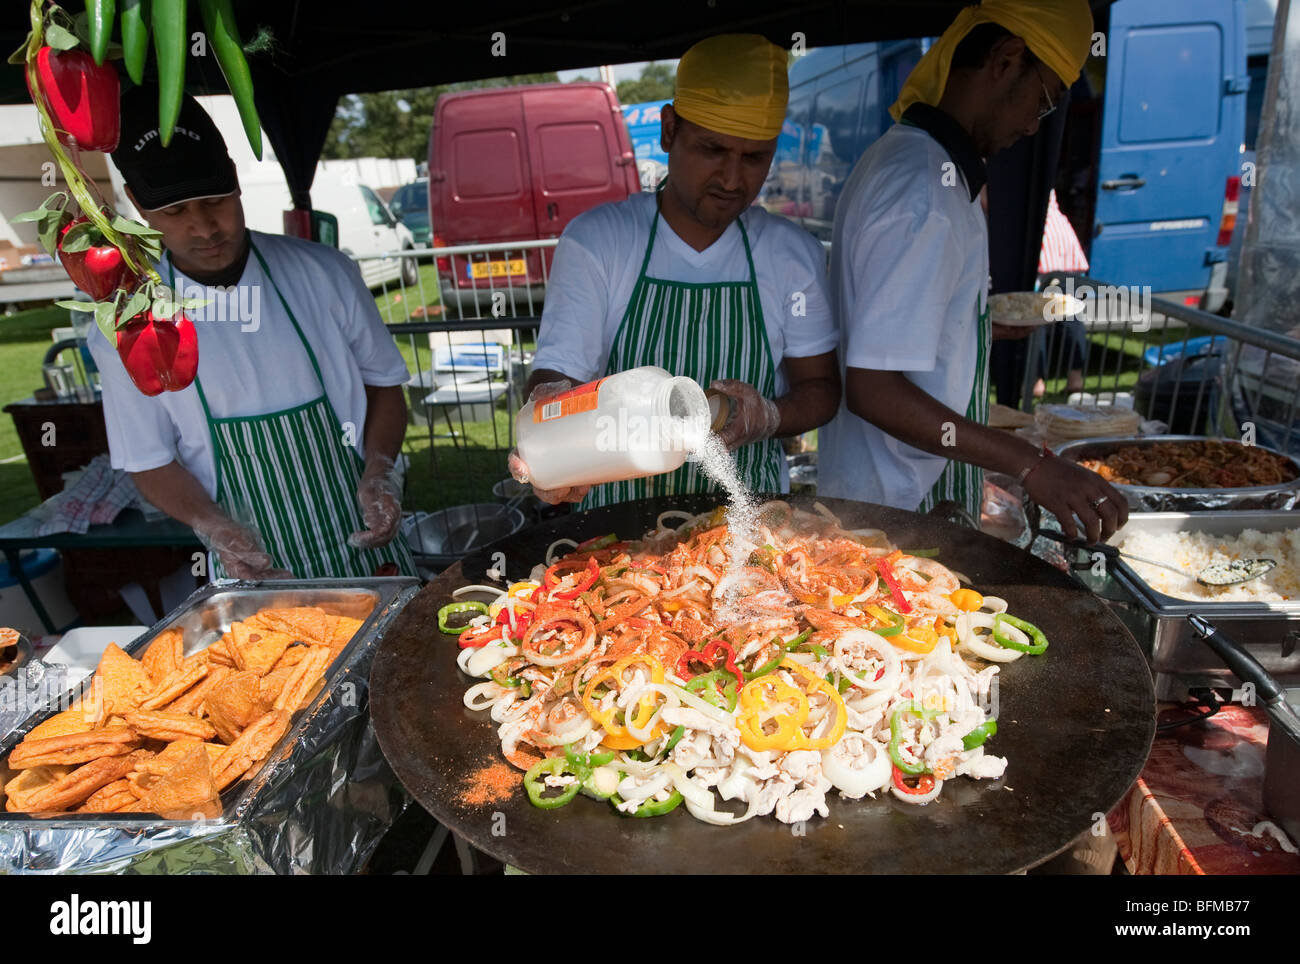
(518, 164)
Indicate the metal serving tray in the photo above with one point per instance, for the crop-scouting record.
(204, 617)
(1152, 498)
(1179, 659)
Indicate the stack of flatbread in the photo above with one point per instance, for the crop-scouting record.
(1058, 424)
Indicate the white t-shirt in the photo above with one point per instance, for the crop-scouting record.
(251, 361)
(909, 275)
(600, 255)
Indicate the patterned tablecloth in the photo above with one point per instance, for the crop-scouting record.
(1199, 797)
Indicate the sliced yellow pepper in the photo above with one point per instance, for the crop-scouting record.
(967, 600)
(917, 639)
(832, 694)
(943, 629)
(757, 699)
(617, 736)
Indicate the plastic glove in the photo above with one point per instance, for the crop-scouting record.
(239, 548)
(380, 497)
(753, 417)
(519, 468)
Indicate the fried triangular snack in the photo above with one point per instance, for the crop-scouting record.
(19, 790)
(164, 655)
(303, 623)
(259, 649)
(344, 630)
(186, 791)
(124, 679)
(63, 724)
(234, 704)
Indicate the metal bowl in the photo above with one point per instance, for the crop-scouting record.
(445, 536)
(1153, 498)
(15, 655)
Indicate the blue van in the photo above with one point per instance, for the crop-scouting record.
(1152, 152)
(1173, 126)
(839, 105)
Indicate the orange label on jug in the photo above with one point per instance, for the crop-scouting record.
(575, 400)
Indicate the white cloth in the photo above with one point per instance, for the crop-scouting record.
(600, 255)
(909, 276)
(251, 360)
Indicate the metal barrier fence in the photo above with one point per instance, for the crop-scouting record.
(1199, 373)
(471, 351)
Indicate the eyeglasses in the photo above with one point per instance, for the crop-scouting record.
(1047, 96)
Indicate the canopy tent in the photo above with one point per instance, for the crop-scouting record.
(323, 51)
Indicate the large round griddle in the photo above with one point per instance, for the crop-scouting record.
(1076, 725)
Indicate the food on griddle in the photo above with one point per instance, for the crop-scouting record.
(166, 734)
(657, 672)
(1204, 464)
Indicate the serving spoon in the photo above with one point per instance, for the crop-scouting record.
(1215, 574)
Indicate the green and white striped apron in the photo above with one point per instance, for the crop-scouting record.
(702, 331)
(292, 476)
(962, 482)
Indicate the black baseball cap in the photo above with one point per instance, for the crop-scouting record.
(196, 164)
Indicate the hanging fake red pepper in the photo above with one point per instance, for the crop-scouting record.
(81, 98)
(94, 265)
(160, 354)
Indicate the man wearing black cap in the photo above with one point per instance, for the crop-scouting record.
(281, 453)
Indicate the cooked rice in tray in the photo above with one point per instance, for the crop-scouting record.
(1193, 551)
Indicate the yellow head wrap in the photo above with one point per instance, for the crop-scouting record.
(1059, 32)
(734, 84)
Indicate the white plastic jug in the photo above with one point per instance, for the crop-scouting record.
(632, 424)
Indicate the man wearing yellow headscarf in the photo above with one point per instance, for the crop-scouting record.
(910, 273)
(697, 281)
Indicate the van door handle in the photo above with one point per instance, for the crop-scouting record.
(552, 211)
(1130, 181)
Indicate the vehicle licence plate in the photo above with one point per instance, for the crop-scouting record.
(497, 269)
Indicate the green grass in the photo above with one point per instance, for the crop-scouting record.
(1122, 365)
(396, 305)
(24, 337)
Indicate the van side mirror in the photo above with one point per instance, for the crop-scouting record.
(325, 228)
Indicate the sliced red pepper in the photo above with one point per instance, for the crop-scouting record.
(708, 656)
(924, 783)
(588, 579)
(473, 640)
(891, 580)
(598, 542)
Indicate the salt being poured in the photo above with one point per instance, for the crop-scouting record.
(742, 512)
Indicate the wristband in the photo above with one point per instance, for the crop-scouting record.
(1029, 470)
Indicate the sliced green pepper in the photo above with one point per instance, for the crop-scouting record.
(675, 738)
(536, 787)
(896, 627)
(776, 661)
(896, 736)
(1035, 648)
(451, 609)
(706, 687)
(977, 736)
(651, 808)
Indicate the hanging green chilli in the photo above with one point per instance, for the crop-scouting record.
(223, 40)
(135, 38)
(169, 43)
(99, 23)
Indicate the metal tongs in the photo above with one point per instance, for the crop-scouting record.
(1216, 574)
